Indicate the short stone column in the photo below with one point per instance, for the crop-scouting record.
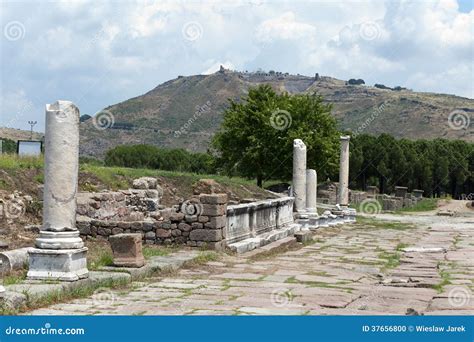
(372, 190)
(311, 186)
(299, 175)
(401, 191)
(343, 194)
(417, 193)
(60, 252)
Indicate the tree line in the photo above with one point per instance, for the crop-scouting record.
(256, 137)
(437, 166)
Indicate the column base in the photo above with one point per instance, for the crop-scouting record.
(57, 264)
(48, 239)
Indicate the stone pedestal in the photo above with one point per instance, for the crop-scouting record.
(311, 188)
(299, 175)
(60, 252)
(401, 191)
(127, 250)
(343, 193)
(63, 264)
(372, 190)
(417, 193)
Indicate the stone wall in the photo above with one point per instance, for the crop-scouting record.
(122, 205)
(198, 222)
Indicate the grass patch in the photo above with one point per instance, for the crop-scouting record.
(202, 258)
(151, 251)
(114, 176)
(293, 280)
(63, 295)
(401, 246)
(445, 280)
(381, 224)
(426, 204)
(391, 260)
(15, 162)
(98, 255)
(14, 278)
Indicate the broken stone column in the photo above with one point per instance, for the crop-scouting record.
(343, 195)
(60, 252)
(299, 175)
(311, 184)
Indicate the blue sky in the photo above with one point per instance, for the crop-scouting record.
(99, 53)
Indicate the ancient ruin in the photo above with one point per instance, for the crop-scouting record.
(343, 195)
(60, 253)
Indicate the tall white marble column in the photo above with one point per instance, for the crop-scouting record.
(343, 195)
(60, 252)
(311, 188)
(299, 175)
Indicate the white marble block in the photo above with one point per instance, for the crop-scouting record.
(343, 193)
(311, 184)
(299, 175)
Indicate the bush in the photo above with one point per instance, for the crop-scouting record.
(353, 81)
(151, 157)
(8, 145)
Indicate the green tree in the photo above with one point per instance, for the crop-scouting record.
(256, 137)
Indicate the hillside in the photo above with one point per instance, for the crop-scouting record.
(18, 134)
(193, 106)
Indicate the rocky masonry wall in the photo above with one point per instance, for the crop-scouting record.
(198, 222)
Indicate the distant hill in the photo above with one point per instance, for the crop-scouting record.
(193, 105)
(18, 134)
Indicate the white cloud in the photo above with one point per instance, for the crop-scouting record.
(100, 53)
(284, 27)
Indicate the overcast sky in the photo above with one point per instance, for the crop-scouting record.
(99, 53)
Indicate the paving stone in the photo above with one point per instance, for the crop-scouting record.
(341, 276)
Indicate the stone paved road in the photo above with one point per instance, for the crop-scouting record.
(352, 269)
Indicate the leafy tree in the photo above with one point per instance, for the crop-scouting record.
(256, 137)
(8, 145)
